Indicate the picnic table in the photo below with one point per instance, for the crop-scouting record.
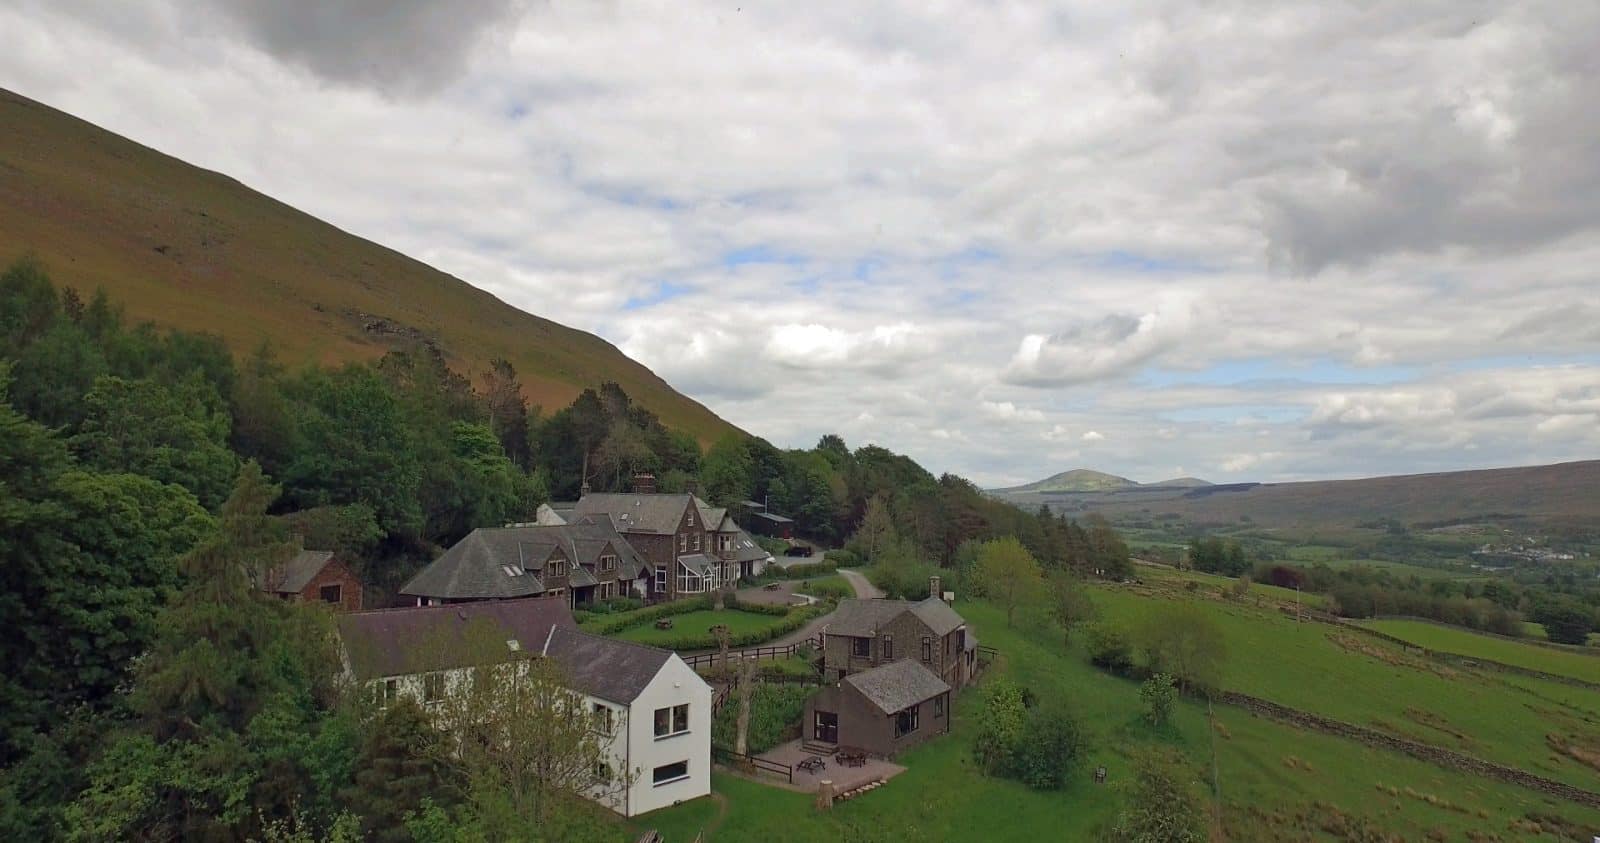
(664, 623)
(814, 764)
(852, 757)
(773, 586)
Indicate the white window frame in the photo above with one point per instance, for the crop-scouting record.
(676, 716)
(658, 782)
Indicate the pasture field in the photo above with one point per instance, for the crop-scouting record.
(1276, 782)
(1358, 679)
(1402, 569)
(1215, 582)
(1573, 663)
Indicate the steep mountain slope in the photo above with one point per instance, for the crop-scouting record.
(188, 248)
(1076, 480)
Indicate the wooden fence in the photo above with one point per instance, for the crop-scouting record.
(704, 660)
(728, 756)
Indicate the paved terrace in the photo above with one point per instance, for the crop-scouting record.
(844, 778)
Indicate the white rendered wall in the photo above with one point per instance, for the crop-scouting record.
(674, 684)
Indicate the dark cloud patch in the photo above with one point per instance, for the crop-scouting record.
(1491, 165)
(395, 46)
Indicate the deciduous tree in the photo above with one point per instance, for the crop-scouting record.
(1008, 574)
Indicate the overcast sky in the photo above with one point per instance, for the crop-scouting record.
(1238, 240)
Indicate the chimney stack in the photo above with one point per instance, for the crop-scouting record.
(644, 484)
(933, 588)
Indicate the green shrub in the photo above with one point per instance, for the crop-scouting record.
(802, 571)
(775, 713)
(842, 558)
(776, 547)
(1158, 694)
(1044, 755)
(826, 590)
(1000, 725)
(1109, 647)
(777, 609)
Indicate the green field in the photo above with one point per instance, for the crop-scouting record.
(1401, 569)
(1577, 665)
(1213, 583)
(1276, 782)
(1358, 679)
(700, 621)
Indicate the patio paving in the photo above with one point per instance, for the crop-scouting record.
(843, 778)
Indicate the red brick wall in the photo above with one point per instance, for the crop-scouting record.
(335, 573)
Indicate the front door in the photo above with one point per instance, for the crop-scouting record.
(826, 727)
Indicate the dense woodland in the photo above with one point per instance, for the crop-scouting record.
(148, 691)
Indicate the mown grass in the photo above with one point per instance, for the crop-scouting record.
(1578, 665)
(739, 623)
(1276, 782)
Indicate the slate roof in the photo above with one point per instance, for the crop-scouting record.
(864, 617)
(636, 513)
(605, 667)
(745, 549)
(295, 574)
(938, 615)
(774, 517)
(398, 642)
(898, 685)
(475, 567)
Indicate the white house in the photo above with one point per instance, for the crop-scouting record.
(656, 709)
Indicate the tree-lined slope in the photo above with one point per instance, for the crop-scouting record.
(188, 248)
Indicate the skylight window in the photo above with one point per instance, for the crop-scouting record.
(512, 570)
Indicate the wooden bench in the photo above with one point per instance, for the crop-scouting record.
(814, 764)
(852, 757)
(773, 586)
(664, 623)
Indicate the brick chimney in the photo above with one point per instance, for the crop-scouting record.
(933, 588)
(644, 484)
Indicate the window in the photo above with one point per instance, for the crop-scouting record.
(888, 648)
(391, 690)
(606, 720)
(669, 773)
(907, 721)
(432, 687)
(683, 542)
(330, 593)
(696, 541)
(691, 517)
(608, 563)
(602, 772)
(938, 706)
(558, 568)
(672, 721)
(927, 649)
(661, 580)
(861, 647)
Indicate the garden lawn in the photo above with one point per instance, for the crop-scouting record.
(832, 585)
(1359, 679)
(699, 622)
(1546, 659)
(1276, 782)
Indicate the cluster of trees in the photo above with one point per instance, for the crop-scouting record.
(1178, 641)
(1494, 605)
(1037, 743)
(1218, 556)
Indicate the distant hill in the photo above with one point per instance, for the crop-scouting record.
(1182, 483)
(189, 248)
(1076, 480)
(1563, 491)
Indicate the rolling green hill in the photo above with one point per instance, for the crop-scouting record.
(188, 248)
(1076, 480)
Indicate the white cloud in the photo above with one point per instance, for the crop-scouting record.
(1358, 239)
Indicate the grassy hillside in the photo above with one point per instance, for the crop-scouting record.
(1277, 782)
(188, 248)
(1575, 663)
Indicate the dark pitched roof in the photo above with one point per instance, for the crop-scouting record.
(636, 513)
(480, 566)
(697, 562)
(745, 548)
(864, 617)
(897, 685)
(774, 517)
(938, 615)
(396, 642)
(486, 565)
(606, 667)
(297, 572)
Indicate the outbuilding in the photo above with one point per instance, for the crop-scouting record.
(883, 711)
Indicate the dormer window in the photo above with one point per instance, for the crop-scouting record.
(557, 568)
(608, 563)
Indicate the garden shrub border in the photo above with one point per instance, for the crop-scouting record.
(798, 618)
